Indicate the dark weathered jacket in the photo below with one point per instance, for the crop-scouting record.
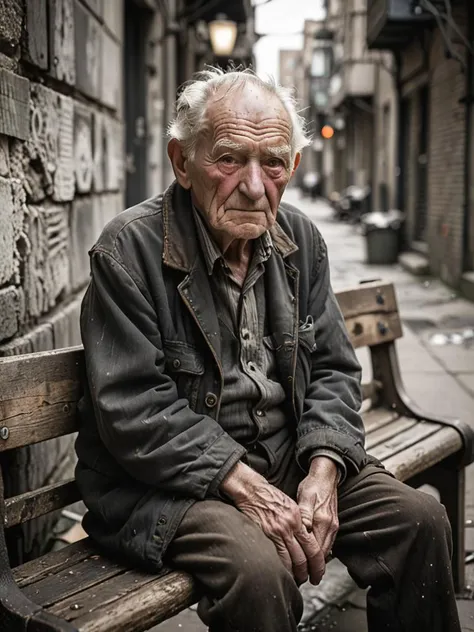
(150, 443)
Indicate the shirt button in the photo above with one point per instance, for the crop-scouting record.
(211, 400)
(260, 413)
(245, 334)
(251, 366)
(176, 363)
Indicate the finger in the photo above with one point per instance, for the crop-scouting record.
(298, 560)
(325, 531)
(284, 555)
(306, 507)
(314, 555)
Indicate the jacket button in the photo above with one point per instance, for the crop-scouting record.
(211, 400)
(162, 520)
(176, 363)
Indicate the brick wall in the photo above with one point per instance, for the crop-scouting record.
(446, 159)
(424, 62)
(61, 180)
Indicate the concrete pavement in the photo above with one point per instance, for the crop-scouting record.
(437, 364)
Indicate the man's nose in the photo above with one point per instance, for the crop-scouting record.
(251, 184)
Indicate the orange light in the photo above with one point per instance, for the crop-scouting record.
(327, 131)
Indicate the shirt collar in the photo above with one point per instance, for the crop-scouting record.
(212, 252)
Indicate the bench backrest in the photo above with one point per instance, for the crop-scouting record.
(39, 392)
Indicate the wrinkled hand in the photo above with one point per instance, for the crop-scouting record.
(279, 518)
(317, 500)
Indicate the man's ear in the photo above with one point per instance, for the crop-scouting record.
(179, 163)
(296, 162)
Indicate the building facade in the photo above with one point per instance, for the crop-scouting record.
(87, 90)
(432, 46)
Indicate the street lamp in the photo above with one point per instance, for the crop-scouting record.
(222, 33)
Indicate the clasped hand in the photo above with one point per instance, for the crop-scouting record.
(303, 531)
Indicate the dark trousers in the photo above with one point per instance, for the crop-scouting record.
(391, 537)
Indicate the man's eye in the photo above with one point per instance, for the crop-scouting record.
(275, 162)
(228, 160)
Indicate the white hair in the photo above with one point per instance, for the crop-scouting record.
(196, 94)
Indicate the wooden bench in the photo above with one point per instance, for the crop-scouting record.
(77, 588)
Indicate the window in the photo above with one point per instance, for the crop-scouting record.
(319, 64)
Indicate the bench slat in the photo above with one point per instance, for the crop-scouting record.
(40, 502)
(53, 562)
(377, 418)
(72, 579)
(93, 599)
(138, 611)
(421, 456)
(39, 396)
(404, 440)
(368, 330)
(384, 434)
(368, 298)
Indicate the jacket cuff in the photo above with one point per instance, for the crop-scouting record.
(334, 456)
(351, 452)
(238, 452)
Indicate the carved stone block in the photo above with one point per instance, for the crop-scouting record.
(88, 36)
(36, 40)
(4, 157)
(112, 73)
(113, 173)
(14, 105)
(83, 158)
(7, 241)
(61, 29)
(11, 17)
(10, 309)
(85, 223)
(97, 5)
(113, 17)
(47, 262)
(47, 157)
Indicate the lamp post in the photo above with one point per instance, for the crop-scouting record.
(222, 33)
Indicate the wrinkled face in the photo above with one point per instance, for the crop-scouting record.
(242, 163)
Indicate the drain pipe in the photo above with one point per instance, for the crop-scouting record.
(468, 161)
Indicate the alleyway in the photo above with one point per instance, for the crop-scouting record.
(438, 377)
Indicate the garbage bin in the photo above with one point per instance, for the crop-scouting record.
(382, 233)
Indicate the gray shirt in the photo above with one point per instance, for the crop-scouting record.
(253, 401)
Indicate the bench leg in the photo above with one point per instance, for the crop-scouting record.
(449, 480)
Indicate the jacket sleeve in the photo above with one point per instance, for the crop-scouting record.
(330, 418)
(151, 433)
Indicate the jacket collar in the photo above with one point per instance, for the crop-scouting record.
(180, 236)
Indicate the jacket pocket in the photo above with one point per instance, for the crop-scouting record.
(185, 366)
(306, 335)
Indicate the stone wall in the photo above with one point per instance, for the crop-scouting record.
(61, 180)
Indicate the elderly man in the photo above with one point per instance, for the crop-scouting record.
(220, 426)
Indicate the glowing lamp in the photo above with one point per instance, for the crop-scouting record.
(222, 33)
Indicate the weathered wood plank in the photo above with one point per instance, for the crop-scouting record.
(404, 440)
(156, 602)
(368, 298)
(377, 418)
(53, 562)
(14, 105)
(423, 455)
(40, 502)
(98, 597)
(72, 580)
(384, 434)
(39, 395)
(373, 329)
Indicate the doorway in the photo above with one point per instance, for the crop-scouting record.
(136, 25)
